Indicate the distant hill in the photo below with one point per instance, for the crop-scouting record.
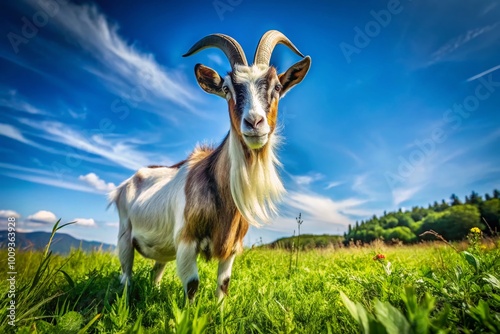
(61, 243)
(307, 241)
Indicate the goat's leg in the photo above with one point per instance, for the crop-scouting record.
(125, 249)
(224, 276)
(187, 268)
(157, 272)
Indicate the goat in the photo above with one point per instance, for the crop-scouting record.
(205, 203)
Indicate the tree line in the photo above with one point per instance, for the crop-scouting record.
(452, 219)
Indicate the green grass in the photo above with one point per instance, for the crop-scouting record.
(428, 288)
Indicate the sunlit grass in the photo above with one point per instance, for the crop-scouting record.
(455, 291)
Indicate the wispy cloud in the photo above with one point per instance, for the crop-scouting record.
(333, 184)
(321, 208)
(118, 149)
(44, 177)
(51, 182)
(402, 194)
(477, 76)
(488, 8)
(12, 100)
(12, 132)
(15, 133)
(362, 185)
(305, 180)
(94, 181)
(122, 65)
(215, 58)
(450, 167)
(348, 152)
(77, 115)
(456, 43)
(26, 169)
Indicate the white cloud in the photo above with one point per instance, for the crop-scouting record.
(322, 209)
(305, 180)
(121, 64)
(93, 180)
(361, 185)
(333, 185)
(452, 166)
(50, 181)
(488, 8)
(112, 224)
(42, 217)
(13, 101)
(120, 150)
(456, 43)
(88, 222)
(215, 58)
(13, 133)
(348, 152)
(399, 195)
(477, 76)
(77, 115)
(4, 214)
(53, 178)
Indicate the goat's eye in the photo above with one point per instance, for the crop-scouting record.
(225, 89)
(278, 88)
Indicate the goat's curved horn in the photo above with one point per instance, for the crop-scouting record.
(228, 45)
(267, 44)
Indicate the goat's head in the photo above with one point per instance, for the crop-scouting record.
(252, 91)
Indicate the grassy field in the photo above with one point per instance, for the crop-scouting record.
(423, 288)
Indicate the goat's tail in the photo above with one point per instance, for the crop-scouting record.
(113, 196)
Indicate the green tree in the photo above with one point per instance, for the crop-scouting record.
(490, 211)
(454, 223)
(430, 223)
(415, 227)
(496, 193)
(418, 213)
(443, 205)
(455, 200)
(405, 220)
(401, 233)
(475, 198)
(391, 222)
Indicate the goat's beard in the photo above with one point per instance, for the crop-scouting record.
(254, 180)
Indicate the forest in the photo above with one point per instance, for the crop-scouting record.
(451, 219)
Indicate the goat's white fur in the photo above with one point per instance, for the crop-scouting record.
(153, 214)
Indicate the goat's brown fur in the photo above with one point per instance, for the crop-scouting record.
(210, 211)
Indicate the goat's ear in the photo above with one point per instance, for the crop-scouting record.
(209, 80)
(294, 75)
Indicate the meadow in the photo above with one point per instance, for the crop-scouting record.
(430, 287)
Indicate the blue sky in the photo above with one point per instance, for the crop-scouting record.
(400, 107)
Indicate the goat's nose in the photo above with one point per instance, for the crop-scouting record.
(254, 122)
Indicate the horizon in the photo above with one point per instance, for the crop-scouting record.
(399, 109)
